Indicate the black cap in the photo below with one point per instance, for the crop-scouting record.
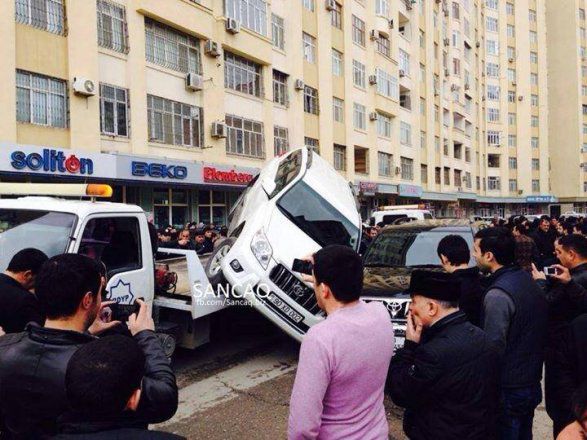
(435, 285)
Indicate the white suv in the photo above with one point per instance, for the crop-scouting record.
(296, 205)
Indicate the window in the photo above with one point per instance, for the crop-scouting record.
(534, 100)
(211, 206)
(383, 46)
(385, 164)
(533, 37)
(252, 14)
(584, 109)
(456, 12)
(491, 4)
(339, 157)
(534, 122)
(114, 106)
(405, 134)
(512, 140)
(509, 7)
(456, 66)
(456, 39)
(387, 85)
(361, 160)
(382, 8)
(511, 96)
(405, 100)
(532, 16)
(424, 173)
(359, 74)
(582, 14)
(338, 109)
(175, 123)
(492, 24)
(446, 176)
(534, 142)
(511, 30)
(512, 75)
(48, 15)
(112, 30)
(358, 31)
(492, 47)
(457, 178)
(309, 5)
(311, 100)
(41, 100)
(278, 31)
(511, 52)
(242, 75)
(493, 137)
(493, 70)
(513, 163)
(337, 63)
(493, 92)
(584, 90)
(511, 118)
(407, 167)
(115, 241)
(280, 140)
(422, 139)
(312, 144)
(336, 16)
(422, 106)
(383, 125)
(584, 129)
(492, 115)
(172, 49)
(536, 164)
(493, 183)
(422, 38)
(359, 116)
(533, 79)
(536, 185)
(513, 185)
(280, 93)
(245, 137)
(309, 47)
(437, 175)
(422, 73)
(533, 57)
(404, 62)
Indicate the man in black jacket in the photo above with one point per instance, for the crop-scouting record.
(18, 305)
(544, 238)
(103, 384)
(33, 363)
(514, 318)
(455, 255)
(446, 375)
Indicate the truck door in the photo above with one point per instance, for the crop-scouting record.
(116, 241)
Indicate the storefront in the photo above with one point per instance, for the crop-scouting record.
(170, 191)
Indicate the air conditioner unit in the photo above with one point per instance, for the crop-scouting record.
(299, 84)
(194, 82)
(212, 48)
(467, 86)
(514, 83)
(483, 74)
(478, 44)
(233, 26)
(520, 191)
(511, 60)
(520, 98)
(447, 41)
(436, 92)
(84, 86)
(330, 5)
(402, 73)
(372, 79)
(373, 116)
(398, 171)
(374, 35)
(219, 130)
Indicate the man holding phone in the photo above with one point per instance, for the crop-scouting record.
(446, 375)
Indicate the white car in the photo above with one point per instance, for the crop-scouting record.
(390, 215)
(296, 205)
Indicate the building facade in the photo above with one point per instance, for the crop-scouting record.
(441, 102)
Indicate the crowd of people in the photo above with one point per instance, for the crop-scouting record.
(194, 236)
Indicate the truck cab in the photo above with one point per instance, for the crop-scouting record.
(390, 215)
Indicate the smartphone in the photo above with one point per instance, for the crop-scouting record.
(302, 266)
(121, 312)
(550, 271)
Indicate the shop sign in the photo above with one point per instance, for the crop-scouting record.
(212, 175)
(158, 170)
(409, 190)
(368, 188)
(53, 161)
(540, 199)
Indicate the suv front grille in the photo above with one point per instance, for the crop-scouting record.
(397, 308)
(294, 288)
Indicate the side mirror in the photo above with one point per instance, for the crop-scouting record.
(268, 185)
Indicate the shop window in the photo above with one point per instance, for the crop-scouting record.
(212, 207)
(170, 207)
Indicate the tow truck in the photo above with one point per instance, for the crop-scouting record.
(173, 281)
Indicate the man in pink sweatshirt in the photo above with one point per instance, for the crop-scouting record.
(338, 390)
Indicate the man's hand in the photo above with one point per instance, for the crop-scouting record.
(563, 275)
(536, 274)
(574, 431)
(137, 322)
(103, 320)
(2, 331)
(309, 278)
(413, 329)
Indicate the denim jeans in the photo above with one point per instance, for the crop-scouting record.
(516, 412)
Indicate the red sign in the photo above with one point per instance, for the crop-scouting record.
(212, 175)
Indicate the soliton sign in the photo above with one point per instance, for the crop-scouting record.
(53, 161)
(159, 170)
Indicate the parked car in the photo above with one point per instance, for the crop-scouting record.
(390, 215)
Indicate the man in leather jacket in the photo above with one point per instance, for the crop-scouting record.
(33, 363)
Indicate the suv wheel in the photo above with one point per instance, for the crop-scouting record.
(213, 268)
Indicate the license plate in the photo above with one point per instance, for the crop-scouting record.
(292, 314)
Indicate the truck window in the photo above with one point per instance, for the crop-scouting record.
(427, 216)
(115, 241)
(287, 171)
(391, 218)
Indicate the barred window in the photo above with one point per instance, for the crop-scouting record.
(336, 16)
(112, 30)
(513, 185)
(48, 15)
(310, 100)
(493, 183)
(407, 167)
(278, 31)
(41, 99)
(513, 163)
(358, 31)
(339, 157)
(114, 106)
(175, 123)
(337, 109)
(172, 49)
(280, 94)
(385, 164)
(493, 70)
(245, 137)
(383, 46)
(280, 140)
(242, 75)
(252, 14)
(536, 164)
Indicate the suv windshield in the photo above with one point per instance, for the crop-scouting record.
(43, 230)
(316, 217)
(410, 247)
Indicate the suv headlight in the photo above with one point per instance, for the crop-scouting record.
(261, 248)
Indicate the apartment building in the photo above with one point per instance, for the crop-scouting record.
(567, 70)
(179, 103)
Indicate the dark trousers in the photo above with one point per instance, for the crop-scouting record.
(516, 412)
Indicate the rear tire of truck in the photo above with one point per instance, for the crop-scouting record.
(213, 269)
